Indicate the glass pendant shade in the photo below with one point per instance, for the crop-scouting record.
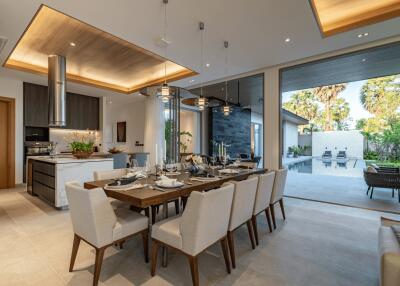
(226, 110)
(201, 103)
(165, 93)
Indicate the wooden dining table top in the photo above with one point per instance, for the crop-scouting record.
(146, 196)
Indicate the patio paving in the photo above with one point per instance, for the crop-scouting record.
(348, 191)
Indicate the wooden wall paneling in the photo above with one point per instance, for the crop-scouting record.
(7, 142)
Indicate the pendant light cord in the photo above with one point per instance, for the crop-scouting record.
(165, 40)
(226, 44)
(201, 26)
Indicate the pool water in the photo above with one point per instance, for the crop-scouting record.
(333, 167)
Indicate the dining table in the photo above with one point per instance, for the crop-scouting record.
(152, 195)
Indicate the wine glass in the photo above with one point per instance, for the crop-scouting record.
(213, 160)
(170, 166)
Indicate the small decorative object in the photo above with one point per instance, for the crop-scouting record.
(121, 131)
(81, 145)
(114, 150)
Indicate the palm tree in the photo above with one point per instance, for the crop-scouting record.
(328, 95)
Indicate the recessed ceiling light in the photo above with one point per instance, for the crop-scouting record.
(287, 40)
(72, 44)
(192, 80)
(207, 65)
(109, 102)
(363, 60)
(363, 35)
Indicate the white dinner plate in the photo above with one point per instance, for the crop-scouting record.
(124, 187)
(169, 184)
(229, 171)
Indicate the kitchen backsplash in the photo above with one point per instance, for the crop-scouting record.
(63, 136)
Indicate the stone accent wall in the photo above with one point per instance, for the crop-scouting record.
(234, 130)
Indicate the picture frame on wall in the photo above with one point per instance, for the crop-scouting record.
(121, 131)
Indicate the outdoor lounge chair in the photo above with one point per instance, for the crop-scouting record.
(341, 155)
(327, 155)
(381, 179)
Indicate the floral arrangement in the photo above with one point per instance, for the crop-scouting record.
(81, 143)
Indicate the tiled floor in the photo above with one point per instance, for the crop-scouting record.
(342, 190)
(319, 244)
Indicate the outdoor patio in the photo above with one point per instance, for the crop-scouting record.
(348, 191)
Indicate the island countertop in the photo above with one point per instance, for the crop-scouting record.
(68, 159)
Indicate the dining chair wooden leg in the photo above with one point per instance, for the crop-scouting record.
(154, 255)
(184, 201)
(251, 233)
(145, 240)
(282, 208)
(224, 247)
(97, 264)
(147, 212)
(75, 247)
(121, 244)
(176, 206)
(254, 222)
(231, 248)
(271, 207)
(268, 219)
(194, 269)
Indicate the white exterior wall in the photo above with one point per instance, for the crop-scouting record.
(290, 136)
(336, 141)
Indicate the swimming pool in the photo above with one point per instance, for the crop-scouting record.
(333, 167)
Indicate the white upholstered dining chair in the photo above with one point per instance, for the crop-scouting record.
(263, 198)
(98, 224)
(242, 211)
(203, 222)
(277, 193)
(109, 175)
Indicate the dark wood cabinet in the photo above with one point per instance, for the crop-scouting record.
(82, 111)
(43, 181)
(36, 105)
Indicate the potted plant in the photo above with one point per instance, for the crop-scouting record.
(81, 145)
(289, 153)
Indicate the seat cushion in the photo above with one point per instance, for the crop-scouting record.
(128, 223)
(118, 204)
(168, 231)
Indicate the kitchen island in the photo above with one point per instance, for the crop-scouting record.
(47, 175)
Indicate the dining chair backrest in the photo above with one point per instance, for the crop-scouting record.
(205, 219)
(264, 192)
(109, 174)
(243, 202)
(93, 218)
(279, 185)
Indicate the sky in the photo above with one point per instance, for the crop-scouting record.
(352, 95)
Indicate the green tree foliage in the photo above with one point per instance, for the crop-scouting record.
(381, 97)
(304, 104)
(322, 106)
(328, 96)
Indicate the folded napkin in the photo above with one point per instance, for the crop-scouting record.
(123, 187)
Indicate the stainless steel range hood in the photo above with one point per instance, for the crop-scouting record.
(57, 96)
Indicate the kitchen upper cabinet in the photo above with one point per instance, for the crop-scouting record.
(82, 111)
(36, 104)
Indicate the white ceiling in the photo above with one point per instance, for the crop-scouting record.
(256, 31)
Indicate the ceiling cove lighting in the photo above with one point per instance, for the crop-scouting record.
(287, 40)
(201, 102)
(338, 16)
(226, 109)
(164, 92)
(108, 62)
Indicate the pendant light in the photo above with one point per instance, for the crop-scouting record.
(226, 109)
(201, 102)
(165, 93)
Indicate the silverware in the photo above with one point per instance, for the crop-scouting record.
(156, 188)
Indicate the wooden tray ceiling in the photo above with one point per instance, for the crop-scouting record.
(337, 16)
(98, 58)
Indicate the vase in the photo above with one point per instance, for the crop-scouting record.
(81, 154)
